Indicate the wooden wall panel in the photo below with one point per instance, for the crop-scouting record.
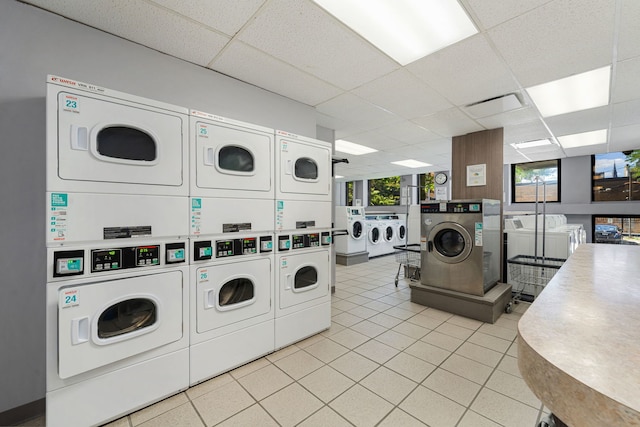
(485, 147)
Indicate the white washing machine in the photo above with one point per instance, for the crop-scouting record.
(116, 165)
(117, 329)
(374, 236)
(303, 182)
(232, 176)
(352, 219)
(401, 229)
(303, 286)
(232, 310)
(388, 226)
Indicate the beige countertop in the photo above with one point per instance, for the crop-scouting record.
(579, 342)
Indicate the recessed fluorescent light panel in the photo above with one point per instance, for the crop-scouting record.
(351, 148)
(411, 163)
(574, 93)
(531, 144)
(582, 139)
(406, 30)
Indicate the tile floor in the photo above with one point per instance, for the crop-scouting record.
(385, 361)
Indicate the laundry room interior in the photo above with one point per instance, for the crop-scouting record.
(223, 213)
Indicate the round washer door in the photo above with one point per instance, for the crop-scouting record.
(402, 232)
(450, 242)
(374, 235)
(356, 230)
(388, 233)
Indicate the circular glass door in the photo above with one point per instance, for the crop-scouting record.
(374, 235)
(450, 242)
(388, 233)
(356, 230)
(402, 231)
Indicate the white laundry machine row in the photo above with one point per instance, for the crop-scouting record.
(381, 231)
(117, 322)
(303, 285)
(352, 219)
(232, 176)
(303, 183)
(232, 302)
(116, 165)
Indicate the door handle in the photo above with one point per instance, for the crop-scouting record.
(79, 330)
(429, 246)
(79, 138)
(289, 167)
(209, 299)
(208, 156)
(287, 284)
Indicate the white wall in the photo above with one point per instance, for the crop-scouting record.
(34, 43)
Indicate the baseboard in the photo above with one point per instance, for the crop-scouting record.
(23, 413)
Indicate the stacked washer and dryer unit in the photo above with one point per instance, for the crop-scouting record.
(180, 245)
(117, 278)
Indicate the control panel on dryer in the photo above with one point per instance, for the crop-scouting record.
(301, 241)
(232, 247)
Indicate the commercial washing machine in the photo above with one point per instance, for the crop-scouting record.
(461, 245)
(374, 236)
(352, 219)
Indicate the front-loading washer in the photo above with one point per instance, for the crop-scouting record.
(401, 229)
(112, 159)
(374, 235)
(232, 176)
(388, 226)
(303, 182)
(117, 327)
(232, 302)
(303, 288)
(352, 219)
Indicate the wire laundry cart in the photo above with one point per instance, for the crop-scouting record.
(409, 257)
(533, 270)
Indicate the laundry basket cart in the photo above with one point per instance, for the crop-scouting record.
(533, 271)
(409, 257)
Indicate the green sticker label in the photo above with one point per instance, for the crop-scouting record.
(196, 203)
(59, 199)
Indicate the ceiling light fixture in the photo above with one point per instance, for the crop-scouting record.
(406, 30)
(531, 144)
(583, 139)
(411, 163)
(573, 93)
(351, 148)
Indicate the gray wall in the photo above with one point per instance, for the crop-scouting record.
(575, 196)
(34, 43)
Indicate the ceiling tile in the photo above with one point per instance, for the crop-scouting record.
(403, 94)
(407, 132)
(525, 132)
(626, 80)
(301, 33)
(626, 113)
(241, 61)
(628, 46)
(489, 13)
(356, 111)
(227, 16)
(373, 140)
(580, 121)
(586, 151)
(558, 39)
(624, 138)
(510, 118)
(451, 122)
(466, 72)
(146, 24)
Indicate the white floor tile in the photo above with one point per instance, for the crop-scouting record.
(291, 405)
(503, 410)
(431, 408)
(361, 407)
(326, 383)
(389, 385)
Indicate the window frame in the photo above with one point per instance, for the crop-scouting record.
(513, 181)
(593, 175)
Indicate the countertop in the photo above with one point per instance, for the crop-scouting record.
(579, 342)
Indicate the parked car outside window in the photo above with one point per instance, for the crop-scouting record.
(608, 233)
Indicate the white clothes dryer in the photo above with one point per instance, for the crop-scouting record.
(232, 176)
(303, 182)
(232, 315)
(117, 329)
(116, 165)
(303, 288)
(352, 219)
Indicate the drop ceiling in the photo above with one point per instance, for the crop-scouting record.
(296, 49)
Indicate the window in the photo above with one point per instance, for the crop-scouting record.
(617, 229)
(525, 176)
(350, 188)
(384, 191)
(615, 176)
(427, 186)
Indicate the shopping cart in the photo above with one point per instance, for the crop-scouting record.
(533, 271)
(409, 257)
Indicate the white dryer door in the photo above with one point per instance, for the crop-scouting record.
(303, 277)
(233, 292)
(305, 168)
(233, 158)
(104, 322)
(103, 141)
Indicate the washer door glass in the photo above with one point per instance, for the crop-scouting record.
(356, 230)
(388, 233)
(306, 168)
(236, 291)
(236, 159)
(450, 242)
(374, 235)
(126, 143)
(305, 278)
(126, 316)
(402, 231)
